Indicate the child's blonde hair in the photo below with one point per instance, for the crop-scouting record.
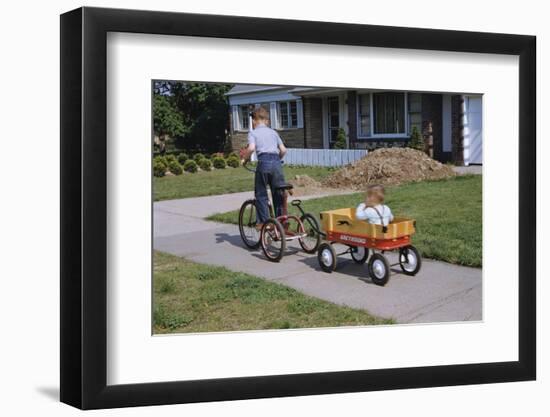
(375, 194)
(260, 114)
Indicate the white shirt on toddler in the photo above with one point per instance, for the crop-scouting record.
(372, 216)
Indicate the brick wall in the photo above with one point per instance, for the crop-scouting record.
(313, 122)
(292, 138)
(238, 140)
(432, 126)
(457, 129)
(375, 144)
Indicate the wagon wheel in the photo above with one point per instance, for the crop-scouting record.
(273, 240)
(326, 255)
(379, 269)
(247, 224)
(359, 254)
(410, 260)
(311, 242)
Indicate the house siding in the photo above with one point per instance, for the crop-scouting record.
(313, 122)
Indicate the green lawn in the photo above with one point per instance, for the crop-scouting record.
(222, 181)
(448, 214)
(192, 297)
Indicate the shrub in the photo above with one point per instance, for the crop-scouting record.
(159, 168)
(175, 168)
(340, 139)
(217, 155)
(416, 142)
(233, 161)
(170, 159)
(159, 158)
(182, 157)
(190, 166)
(219, 162)
(205, 164)
(198, 157)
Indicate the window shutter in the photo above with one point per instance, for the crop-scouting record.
(300, 113)
(273, 115)
(236, 122)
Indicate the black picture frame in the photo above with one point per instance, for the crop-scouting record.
(84, 207)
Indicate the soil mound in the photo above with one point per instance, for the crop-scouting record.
(305, 185)
(388, 166)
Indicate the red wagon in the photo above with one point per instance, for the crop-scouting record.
(341, 226)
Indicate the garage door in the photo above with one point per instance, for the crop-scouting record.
(473, 134)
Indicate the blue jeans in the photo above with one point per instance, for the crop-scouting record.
(268, 172)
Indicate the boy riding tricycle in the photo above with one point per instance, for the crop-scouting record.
(260, 222)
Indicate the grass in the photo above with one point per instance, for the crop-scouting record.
(222, 181)
(192, 297)
(448, 215)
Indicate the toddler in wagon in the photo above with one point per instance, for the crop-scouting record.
(373, 209)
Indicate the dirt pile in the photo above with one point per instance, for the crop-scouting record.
(388, 166)
(305, 185)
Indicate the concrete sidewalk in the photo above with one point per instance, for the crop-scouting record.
(441, 292)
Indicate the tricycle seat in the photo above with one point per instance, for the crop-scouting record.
(284, 186)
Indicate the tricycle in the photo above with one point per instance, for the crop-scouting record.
(341, 226)
(276, 231)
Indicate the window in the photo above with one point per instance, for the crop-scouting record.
(389, 113)
(244, 117)
(381, 114)
(364, 115)
(288, 114)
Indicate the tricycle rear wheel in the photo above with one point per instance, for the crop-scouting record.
(311, 242)
(410, 260)
(273, 240)
(326, 255)
(379, 269)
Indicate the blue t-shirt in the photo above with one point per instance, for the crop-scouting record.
(266, 140)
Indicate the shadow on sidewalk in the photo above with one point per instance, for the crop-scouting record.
(347, 266)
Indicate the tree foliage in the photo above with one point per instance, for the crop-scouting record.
(202, 109)
(416, 142)
(166, 118)
(340, 139)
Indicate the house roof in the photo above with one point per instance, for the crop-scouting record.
(251, 88)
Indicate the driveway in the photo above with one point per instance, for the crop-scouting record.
(441, 292)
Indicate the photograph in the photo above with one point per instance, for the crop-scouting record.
(297, 207)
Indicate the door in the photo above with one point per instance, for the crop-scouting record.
(473, 132)
(333, 107)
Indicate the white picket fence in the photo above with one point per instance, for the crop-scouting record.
(323, 157)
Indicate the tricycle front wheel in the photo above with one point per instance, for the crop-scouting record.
(410, 260)
(247, 224)
(379, 269)
(326, 255)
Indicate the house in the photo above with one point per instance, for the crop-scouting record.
(309, 117)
